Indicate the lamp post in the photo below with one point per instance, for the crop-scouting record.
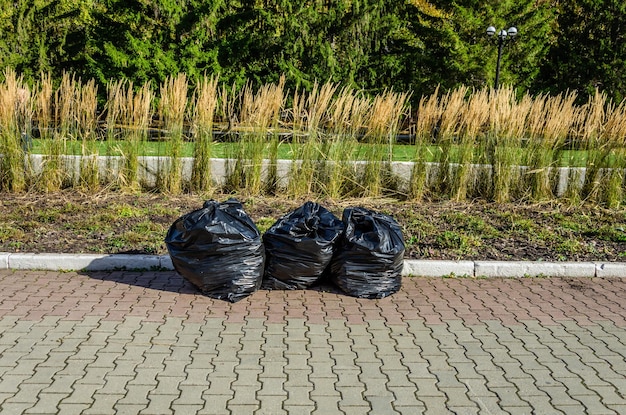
(503, 36)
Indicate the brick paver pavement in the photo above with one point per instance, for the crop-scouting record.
(149, 343)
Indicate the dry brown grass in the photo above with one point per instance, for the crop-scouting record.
(459, 128)
(132, 109)
(15, 117)
(382, 126)
(172, 112)
(347, 116)
(204, 106)
(311, 112)
(261, 110)
(87, 123)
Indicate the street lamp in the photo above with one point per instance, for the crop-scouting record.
(503, 36)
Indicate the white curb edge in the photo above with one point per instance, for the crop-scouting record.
(438, 268)
(534, 269)
(424, 268)
(4, 260)
(87, 262)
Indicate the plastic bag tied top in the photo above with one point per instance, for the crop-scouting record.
(300, 246)
(370, 259)
(219, 249)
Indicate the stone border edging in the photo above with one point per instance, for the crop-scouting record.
(425, 268)
(151, 166)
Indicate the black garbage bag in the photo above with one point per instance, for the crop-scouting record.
(218, 249)
(299, 247)
(370, 257)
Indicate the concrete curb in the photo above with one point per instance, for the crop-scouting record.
(611, 269)
(438, 268)
(88, 262)
(426, 268)
(533, 269)
(4, 260)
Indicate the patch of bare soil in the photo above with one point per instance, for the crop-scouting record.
(114, 222)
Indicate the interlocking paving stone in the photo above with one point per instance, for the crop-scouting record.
(150, 343)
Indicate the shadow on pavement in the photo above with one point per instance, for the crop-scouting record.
(156, 273)
(169, 281)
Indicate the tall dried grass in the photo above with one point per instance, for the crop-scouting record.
(614, 158)
(204, 107)
(473, 119)
(588, 128)
(172, 111)
(347, 116)
(341, 141)
(116, 96)
(451, 108)
(132, 109)
(382, 125)
(15, 118)
(558, 114)
(259, 117)
(51, 170)
(87, 123)
(310, 112)
(58, 172)
(507, 118)
(424, 130)
(277, 103)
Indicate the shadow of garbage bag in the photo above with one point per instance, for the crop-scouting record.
(218, 248)
(299, 247)
(370, 257)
